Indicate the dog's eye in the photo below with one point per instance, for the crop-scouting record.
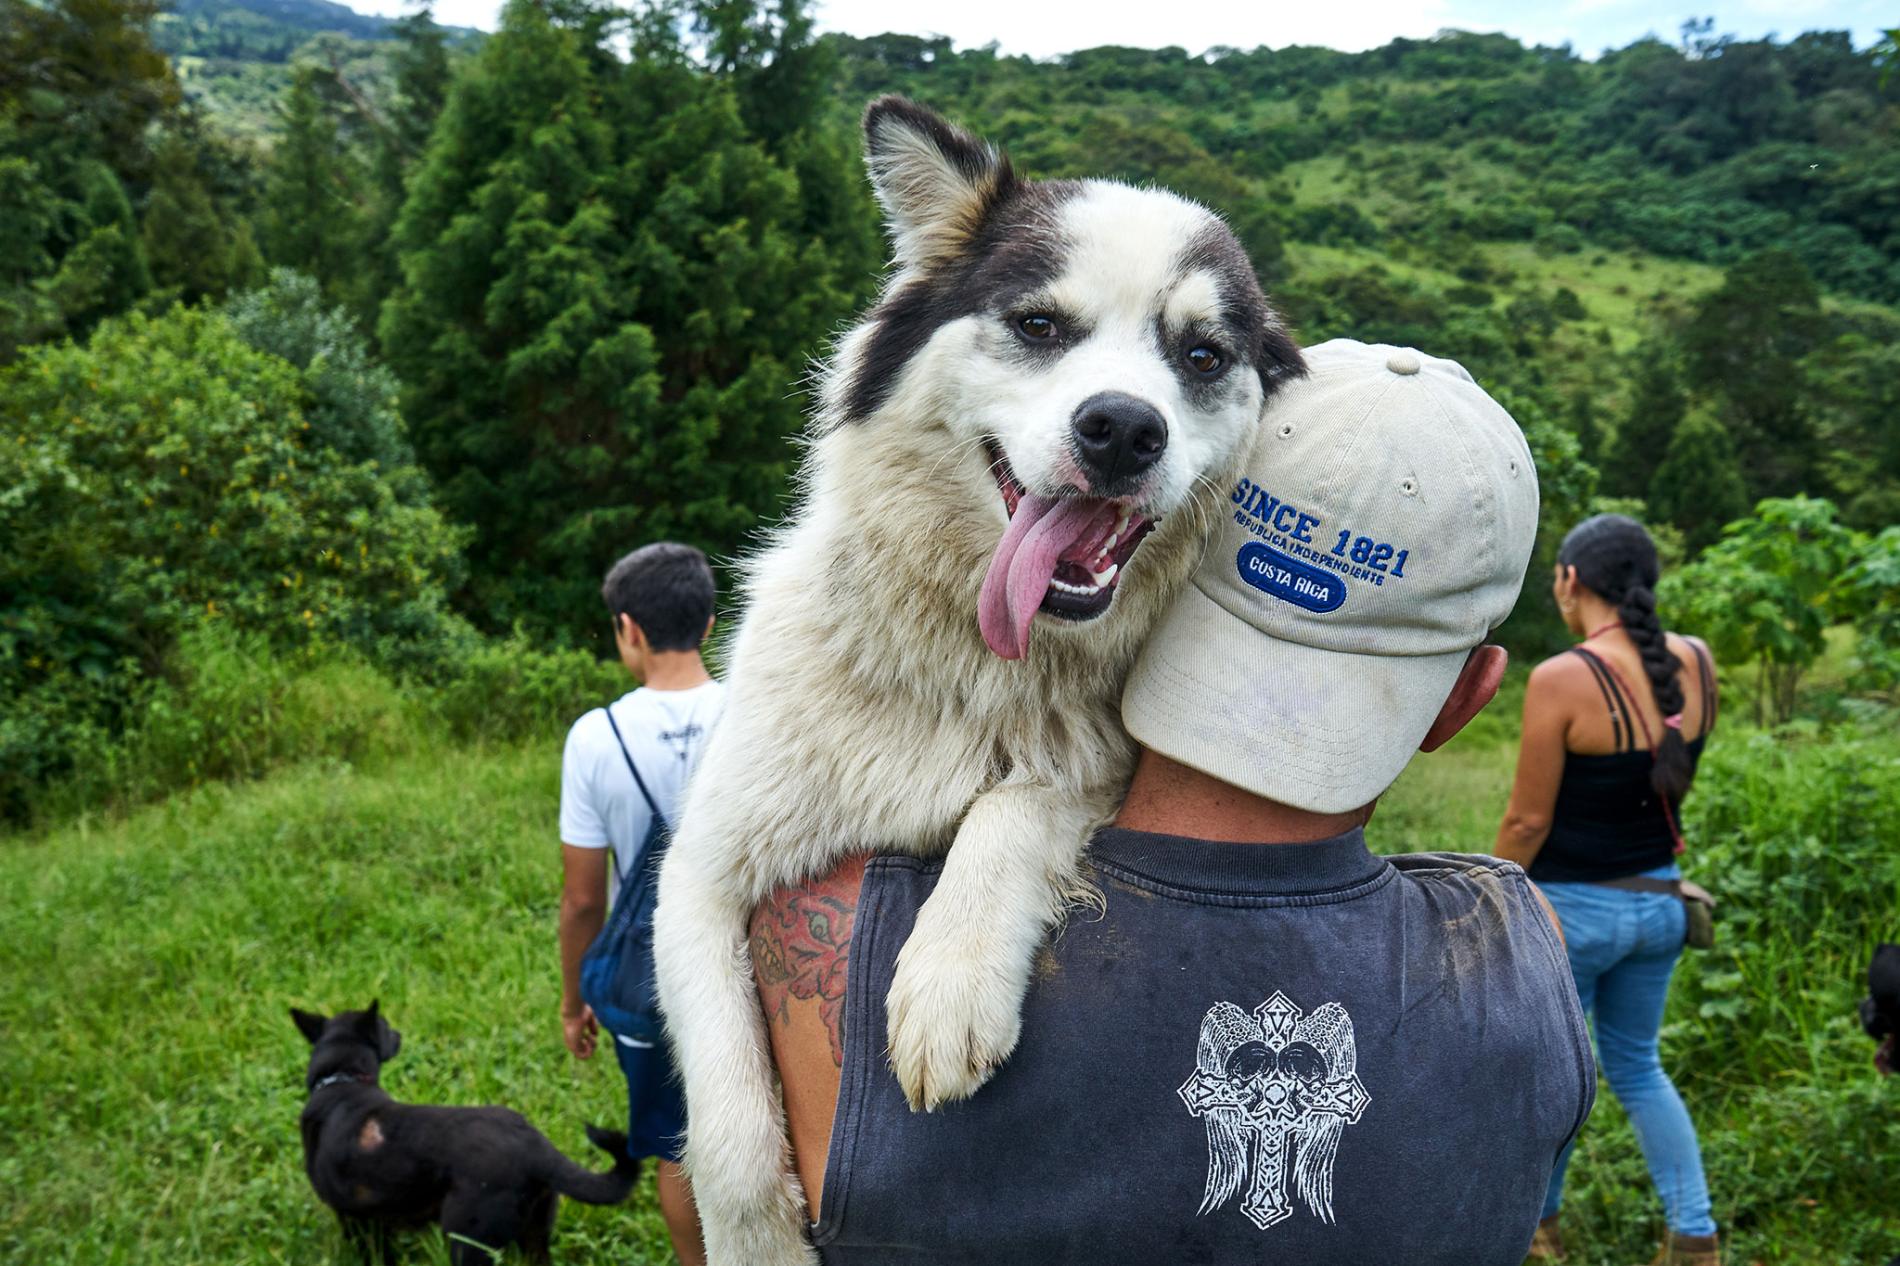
(1205, 360)
(1037, 327)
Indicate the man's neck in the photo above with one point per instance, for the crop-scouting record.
(1170, 798)
(674, 670)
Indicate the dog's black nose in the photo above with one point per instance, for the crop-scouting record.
(1117, 437)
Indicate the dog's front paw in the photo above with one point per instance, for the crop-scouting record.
(954, 1016)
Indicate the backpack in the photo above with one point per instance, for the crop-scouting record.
(617, 972)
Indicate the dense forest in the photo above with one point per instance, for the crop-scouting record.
(384, 336)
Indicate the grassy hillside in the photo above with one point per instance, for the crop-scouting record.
(150, 1079)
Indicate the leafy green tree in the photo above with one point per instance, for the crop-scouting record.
(1698, 486)
(1767, 592)
(1567, 489)
(352, 399)
(161, 475)
(609, 286)
(1856, 400)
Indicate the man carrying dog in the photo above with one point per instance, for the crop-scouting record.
(660, 599)
(1269, 1043)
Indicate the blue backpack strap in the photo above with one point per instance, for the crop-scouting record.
(641, 783)
(652, 806)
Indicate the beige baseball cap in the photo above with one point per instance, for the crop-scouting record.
(1378, 531)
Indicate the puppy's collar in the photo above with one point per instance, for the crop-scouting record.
(334, 1078)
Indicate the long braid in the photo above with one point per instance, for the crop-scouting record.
(1616, 560)
(1673, 770)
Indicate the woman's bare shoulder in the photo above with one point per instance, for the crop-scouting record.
(1685, 645)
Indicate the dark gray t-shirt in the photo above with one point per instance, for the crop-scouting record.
(1288, 1053)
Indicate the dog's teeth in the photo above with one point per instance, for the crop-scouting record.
(1101, 578)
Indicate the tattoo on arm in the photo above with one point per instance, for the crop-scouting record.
(801, 948)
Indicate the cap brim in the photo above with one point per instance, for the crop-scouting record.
(1321, 730)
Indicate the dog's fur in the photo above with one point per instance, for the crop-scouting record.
(1880, 1009)
(485, 1174)
(864, 709)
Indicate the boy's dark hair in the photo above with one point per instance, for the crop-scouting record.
(667, 589)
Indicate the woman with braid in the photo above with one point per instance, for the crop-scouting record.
(1612, 732)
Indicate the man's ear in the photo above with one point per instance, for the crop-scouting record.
(934, 180)
(309, 1023)
(1476, 686)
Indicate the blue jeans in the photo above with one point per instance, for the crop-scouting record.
(1623, 947)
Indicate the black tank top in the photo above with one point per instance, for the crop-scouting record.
(1257, 1053)
(1608, 822)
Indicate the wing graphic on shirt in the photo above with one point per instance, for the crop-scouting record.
(1329, 1031)
(1224, 1030)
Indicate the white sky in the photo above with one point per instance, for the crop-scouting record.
(1044, 27)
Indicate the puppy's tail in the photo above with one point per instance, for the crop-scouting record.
(591, 1186)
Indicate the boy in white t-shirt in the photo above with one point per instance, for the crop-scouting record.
(661, 601)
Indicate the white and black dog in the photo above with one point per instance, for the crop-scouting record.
(1039, 417)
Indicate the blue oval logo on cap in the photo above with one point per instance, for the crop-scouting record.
(1289, 579)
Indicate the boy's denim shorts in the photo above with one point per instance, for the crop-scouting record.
(656, 1103)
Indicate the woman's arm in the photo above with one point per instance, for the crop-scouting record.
(1540, 766)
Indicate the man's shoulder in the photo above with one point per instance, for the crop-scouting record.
(590, 735)
(1428, 865)
(587, 726)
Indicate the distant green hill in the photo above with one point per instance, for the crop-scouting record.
(265, 30)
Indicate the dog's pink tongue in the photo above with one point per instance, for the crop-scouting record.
(1041, 531)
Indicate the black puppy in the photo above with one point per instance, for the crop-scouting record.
(488, 1176)
(1880, 1009)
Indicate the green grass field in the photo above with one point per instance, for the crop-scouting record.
(150, 1079)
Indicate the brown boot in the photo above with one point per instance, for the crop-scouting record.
(1689, 1250)
(1548, 1244)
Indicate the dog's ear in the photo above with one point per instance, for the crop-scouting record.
(376, 1031)
(309, 1023)
(1280, 357)
(934, 180)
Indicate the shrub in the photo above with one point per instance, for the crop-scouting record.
(162, 474)
(1870, 593)
(509, 689)
(230, 707)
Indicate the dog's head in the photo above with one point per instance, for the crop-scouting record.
(349, 1045)
(1880, 1009)
(1095, 352)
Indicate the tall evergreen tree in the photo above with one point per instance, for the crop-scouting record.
(199, 247)
(1645, 432)
(1582, 418)
(1698, 485)
(1745, 345)
(609, 289)
(313, 220)
(80, 88)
